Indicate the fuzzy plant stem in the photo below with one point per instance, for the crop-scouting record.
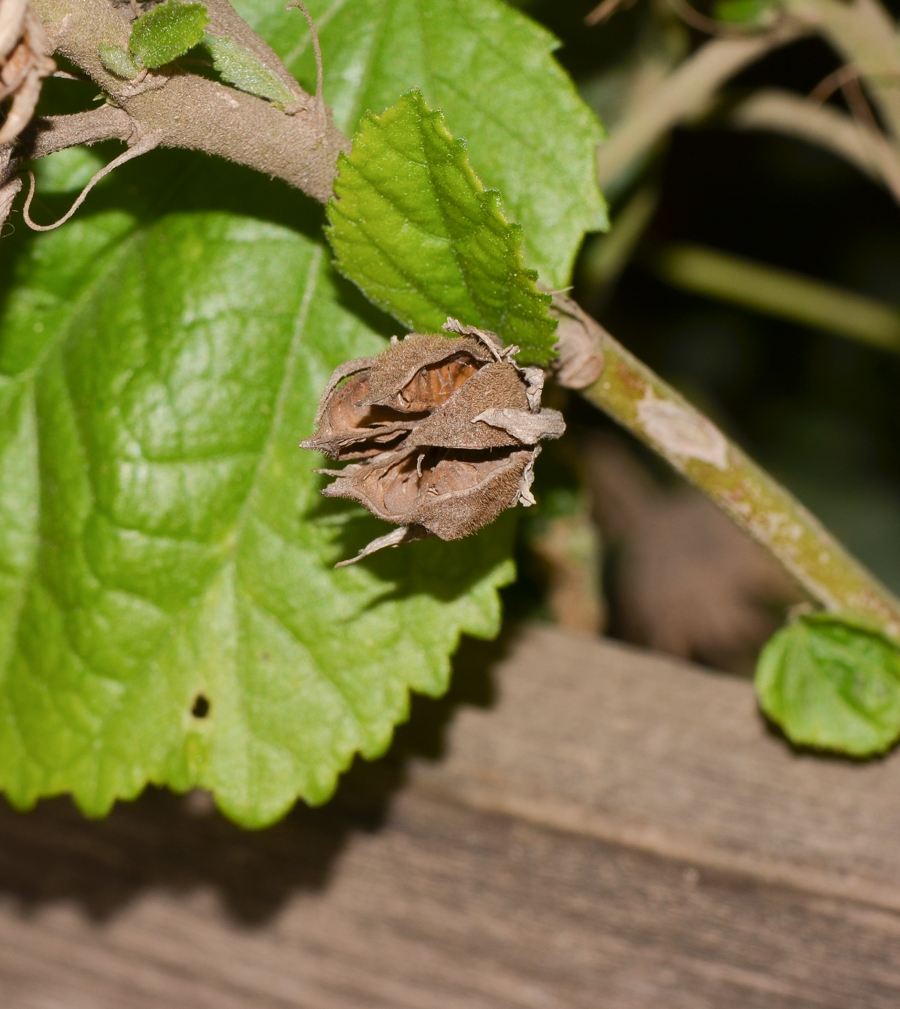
(630, 393)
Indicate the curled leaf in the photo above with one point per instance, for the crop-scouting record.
(446, 432)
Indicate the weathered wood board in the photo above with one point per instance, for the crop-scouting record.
(616, 830)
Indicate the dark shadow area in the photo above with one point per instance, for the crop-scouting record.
(180, 842)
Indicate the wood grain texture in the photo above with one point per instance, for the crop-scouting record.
(614, 830)
(649, 751)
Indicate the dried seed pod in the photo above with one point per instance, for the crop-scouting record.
(348, 426)
(371, 403)
(449, 494)
(446, 431)
(23, 65)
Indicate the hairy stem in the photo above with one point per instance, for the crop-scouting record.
(183, 110)
(55, 133)
(642, 402)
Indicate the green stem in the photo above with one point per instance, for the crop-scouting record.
(642, 402)
(605, 256)
(779, 293)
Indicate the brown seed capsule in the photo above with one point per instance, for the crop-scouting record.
(446, 432)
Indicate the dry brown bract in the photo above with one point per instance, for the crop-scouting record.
(23, 65)
(580, 344)
(443, 433)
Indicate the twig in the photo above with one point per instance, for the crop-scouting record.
(606, 10)
(832, 82)
(864, 33)
(824, 125)
(859, 107)
(317, 49)
(222, 120)
(780, 293)
(845, 78)
(607, 255)
(55, 133)
(642, 402)
(686, 92)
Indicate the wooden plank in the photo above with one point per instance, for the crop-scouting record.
(652, 752)
(618, 830)
(447, 907)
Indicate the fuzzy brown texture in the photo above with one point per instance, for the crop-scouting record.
(446, 432)
(49, 134)
(183, 110)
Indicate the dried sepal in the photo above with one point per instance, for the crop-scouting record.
(10, 184)
(444, 431)
(23, 65)
(579, 344)
(395, 538)
(450, 494)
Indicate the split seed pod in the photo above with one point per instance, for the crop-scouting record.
(443, 432)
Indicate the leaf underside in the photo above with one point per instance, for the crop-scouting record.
(832, 685)
(413, 226)
(242, 68)
(491, 71)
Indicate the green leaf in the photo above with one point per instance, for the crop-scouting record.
(832, 684)
(120, 62)
(240, 67)
(743, 11)
(167, 31)
(413, 226)
(68, 170)
(162, 537)
(489, 68)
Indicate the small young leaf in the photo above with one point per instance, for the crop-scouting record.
(240, 67)
(167, 32)
(833, 685)
(742, 11)
(413, 226)
(120, 62)
(490, 69)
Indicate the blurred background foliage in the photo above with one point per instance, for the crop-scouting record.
(820, 410)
